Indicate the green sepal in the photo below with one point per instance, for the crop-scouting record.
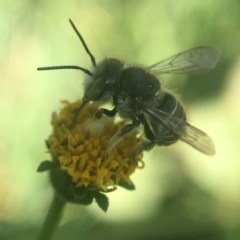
(127, 185)
(102, 201)
(45, 165)
(47, 144)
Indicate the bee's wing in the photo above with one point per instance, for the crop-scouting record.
(187, 133)
(195, 60)
(198, 139)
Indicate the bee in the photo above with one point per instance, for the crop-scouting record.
(137, 95)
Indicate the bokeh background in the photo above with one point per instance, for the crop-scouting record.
(181, 193)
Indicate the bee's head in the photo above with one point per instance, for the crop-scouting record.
(103, 84)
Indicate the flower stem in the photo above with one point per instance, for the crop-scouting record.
(52, 219)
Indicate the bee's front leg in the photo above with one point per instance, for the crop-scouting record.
(109, 113)
(97, 124)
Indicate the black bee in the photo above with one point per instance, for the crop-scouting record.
(137, 95)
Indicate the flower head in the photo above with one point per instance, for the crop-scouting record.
(80, 169)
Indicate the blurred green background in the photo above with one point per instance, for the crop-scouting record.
(181, 193)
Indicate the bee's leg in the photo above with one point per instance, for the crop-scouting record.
(118, 137)
(147, 144)
(144, 146)
(97, 124)
(147, 131)
(109, 113)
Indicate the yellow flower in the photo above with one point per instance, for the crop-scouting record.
(78, 149)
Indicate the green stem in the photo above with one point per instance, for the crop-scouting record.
(52, 219)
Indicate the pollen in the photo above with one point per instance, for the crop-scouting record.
(80, 148)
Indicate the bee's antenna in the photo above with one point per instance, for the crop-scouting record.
(66, 67)
(73, 66)
(83, 43)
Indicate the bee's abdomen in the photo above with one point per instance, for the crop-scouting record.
(171, 106)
